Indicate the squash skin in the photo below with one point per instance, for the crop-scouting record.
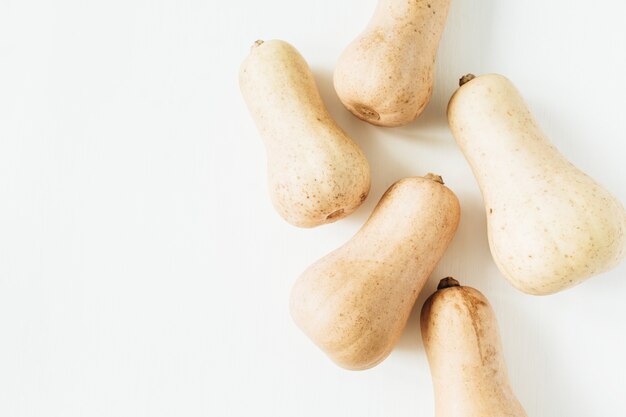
(316, 173)
(354, 302)
(464, 351)
(385, 76)
(550, 225)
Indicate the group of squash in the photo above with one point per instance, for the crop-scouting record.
(550, 226)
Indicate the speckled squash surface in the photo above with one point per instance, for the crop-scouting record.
(316, 173)
(385, 76)
(462, 343)
(354, 302)
(550, 225)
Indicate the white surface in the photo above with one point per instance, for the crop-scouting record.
(143, 271)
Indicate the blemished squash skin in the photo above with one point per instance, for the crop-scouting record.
(550, 225)
(385, 76)
(464, 351)
(316, 173)
(354, 302)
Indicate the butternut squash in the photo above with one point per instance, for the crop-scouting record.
(354, 302)
(316, 173)
(550, 225)
(385, 76)
(464, 351)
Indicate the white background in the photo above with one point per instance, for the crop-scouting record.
(143, 271)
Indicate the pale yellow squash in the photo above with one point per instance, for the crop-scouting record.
(550, 225)
(316, 173)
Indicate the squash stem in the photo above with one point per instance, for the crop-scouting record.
(447, 283)
(465, 79)
(434, 177)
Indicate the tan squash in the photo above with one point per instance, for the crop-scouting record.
(464, 351)
(354, 302)
(316, 173)
(550, 225)
(386, 75)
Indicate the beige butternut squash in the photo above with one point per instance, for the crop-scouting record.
(550, 225)
(386, 75)
(354, 302)
(316, 173)
(464, 351)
